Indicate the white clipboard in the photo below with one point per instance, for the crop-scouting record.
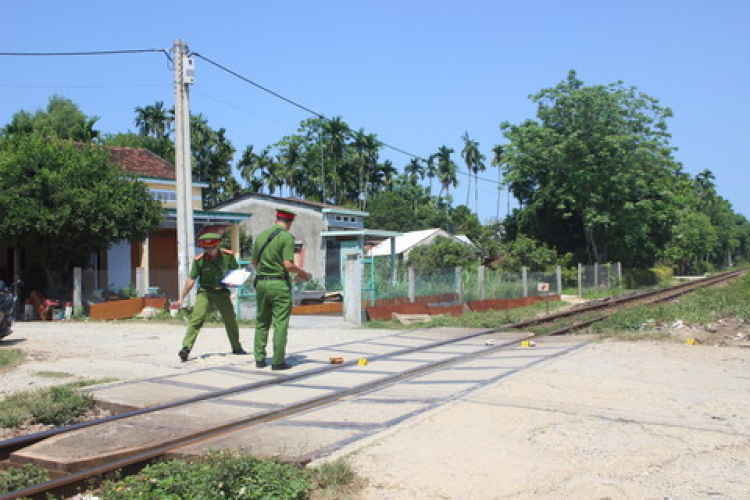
(237, 277)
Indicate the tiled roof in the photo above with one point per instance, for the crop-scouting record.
(141, 162)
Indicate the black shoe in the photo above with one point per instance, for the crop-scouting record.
(183, 354)
(239, 351)
(261, 364)
(282, 366)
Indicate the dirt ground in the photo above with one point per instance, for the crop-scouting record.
(614, 420)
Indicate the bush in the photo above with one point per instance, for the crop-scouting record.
(54, 406)
(217, 475)
(640, 278)
(17, 478)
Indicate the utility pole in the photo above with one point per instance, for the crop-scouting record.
(183, 76)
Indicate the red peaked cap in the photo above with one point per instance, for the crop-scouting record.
(283, 214)
(208, 240)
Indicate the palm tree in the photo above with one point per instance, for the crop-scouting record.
(246, 165)
(366, 153)
(336, 131)
(415, 170)
(153, 120)
(289, 161)
(497, 162)
(474, 163)
(446, 169)
(431, 171)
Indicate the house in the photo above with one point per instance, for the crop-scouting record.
(407, 242)
(143, 265)
(325, 235)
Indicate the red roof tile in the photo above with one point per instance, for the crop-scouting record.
(141, 162)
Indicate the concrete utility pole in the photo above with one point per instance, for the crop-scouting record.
(182, 156)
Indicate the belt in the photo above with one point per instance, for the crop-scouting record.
(213, 288)
(270, 278)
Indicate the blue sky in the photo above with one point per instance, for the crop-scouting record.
(416, 73)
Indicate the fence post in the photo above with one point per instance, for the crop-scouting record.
(609, 277)
(412, 284)
(619, 273)
(524, 279)
(558, 274)
(77, 289)
(596, 275)
(353, 287)
(480, 283)
(458, 273)
(580, 280)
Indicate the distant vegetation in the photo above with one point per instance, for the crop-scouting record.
(594, 174)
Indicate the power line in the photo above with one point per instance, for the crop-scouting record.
(312, 112)
(223, 68)
(84, 53)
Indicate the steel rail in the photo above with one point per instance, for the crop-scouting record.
(66, 483)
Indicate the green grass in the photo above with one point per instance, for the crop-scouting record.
(61, 405)
(45, 374)
(10, 358)
(487, 319)
(698, 308)
(234, 476)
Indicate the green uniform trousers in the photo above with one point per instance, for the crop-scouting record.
(222, 301)
(274, 307)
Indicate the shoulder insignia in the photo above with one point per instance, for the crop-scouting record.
(199, 257)
(227, 251)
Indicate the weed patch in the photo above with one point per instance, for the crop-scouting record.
(56, 406)
(698, 308)
(216, 475)
(17, 478)
(11, 358)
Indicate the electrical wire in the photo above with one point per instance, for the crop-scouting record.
(223, 68)
(317, 114)
(84, 53)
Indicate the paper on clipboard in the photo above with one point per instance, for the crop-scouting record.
(238, 277)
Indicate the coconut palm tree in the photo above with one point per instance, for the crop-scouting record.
(153, 120)
(446, 169)
(497, 161)
(415, 170)
(336, 131)
(246, 166)
(474, 163)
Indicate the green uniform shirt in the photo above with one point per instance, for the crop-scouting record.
(281, 248)
(210, 272)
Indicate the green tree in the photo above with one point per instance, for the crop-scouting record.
(594, 174)
(474, 161)
(62, 119)
(405, 208)
(443, 253)
(154, 120)
(446, 169)
(68, 201)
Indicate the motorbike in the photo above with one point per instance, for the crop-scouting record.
(8, 301)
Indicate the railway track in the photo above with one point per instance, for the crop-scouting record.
(411, 360)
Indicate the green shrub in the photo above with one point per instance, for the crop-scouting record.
(57, 406)
(17, 478)
(217, 475)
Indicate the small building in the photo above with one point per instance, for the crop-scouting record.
(324, 234)
(406, 242)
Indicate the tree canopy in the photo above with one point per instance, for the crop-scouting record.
(67, 200)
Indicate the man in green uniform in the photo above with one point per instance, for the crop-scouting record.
(273, 259)
(210, 268)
